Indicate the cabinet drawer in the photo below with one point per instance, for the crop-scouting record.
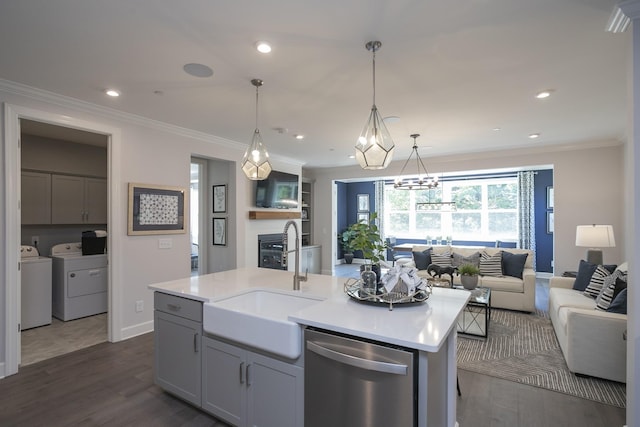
(183, 307)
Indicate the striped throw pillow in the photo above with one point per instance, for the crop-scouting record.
(597, 282)
(491, 265)
(611, 283)
(441, 260)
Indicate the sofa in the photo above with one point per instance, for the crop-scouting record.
(507, 291)
(591, 340)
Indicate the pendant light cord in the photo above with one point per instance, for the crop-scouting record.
(257, 107)
(374, 74)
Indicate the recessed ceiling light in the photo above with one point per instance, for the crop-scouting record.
(544, 94)
(298, 136)
(496, 129)
(198, 70)
(351, 156)
(112, 92)
(263, 47)
(391, 119)
(534, 135)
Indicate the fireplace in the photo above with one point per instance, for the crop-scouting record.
(270, 248)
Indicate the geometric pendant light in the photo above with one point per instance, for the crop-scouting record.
(374, 149)
(255, 163)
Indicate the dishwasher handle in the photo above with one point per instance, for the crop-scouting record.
(358, 362)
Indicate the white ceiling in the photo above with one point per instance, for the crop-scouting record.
(451, 70)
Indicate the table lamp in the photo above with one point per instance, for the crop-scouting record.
(595, 237)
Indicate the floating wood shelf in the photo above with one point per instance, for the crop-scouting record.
(273, 215)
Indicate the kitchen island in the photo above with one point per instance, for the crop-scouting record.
(213, 372)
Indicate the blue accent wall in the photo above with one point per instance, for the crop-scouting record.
(347, 211)
(544, 241)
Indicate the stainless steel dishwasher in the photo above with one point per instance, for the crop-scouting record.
(350, 382)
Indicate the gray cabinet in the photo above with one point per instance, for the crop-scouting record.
(306, 213)
(78, 200)
(35, 198)
(310, 259)
(177, 341)
(245, 388)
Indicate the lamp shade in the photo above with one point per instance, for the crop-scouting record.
(595, 236)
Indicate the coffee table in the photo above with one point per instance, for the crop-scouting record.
(474, 319)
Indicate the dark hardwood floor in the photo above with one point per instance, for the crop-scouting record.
(112, 385)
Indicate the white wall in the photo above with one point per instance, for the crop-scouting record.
(149, 152)
(588, 185)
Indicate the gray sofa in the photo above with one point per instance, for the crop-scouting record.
(591, 340)
(507, 292)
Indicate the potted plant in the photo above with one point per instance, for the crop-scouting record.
(346, 240)
(469, 276)
(366, 238)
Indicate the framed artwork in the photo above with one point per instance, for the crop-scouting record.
(363, 216)
(549, 197)
(549, 222)
(220, 198)
(220, 231)
(363, 203)
(157, 209)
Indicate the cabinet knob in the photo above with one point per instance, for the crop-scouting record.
(72, 275)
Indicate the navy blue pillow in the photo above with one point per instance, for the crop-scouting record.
(619, 303)
(422, 259)
(513, 264)
(585, 271)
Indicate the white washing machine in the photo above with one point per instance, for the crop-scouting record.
(35, 288)
(80, 283)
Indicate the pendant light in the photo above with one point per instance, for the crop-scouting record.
(423, 181)
(255, 163)
(374, 149)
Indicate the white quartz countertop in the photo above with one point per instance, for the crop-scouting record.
(423, 326)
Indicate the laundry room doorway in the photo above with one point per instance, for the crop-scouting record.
(64, 193)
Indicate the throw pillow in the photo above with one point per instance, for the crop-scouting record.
(585, 271)
(513, 264)
(442, 260)
(597, 282)
(422, 259)
(491, 265)
(458, 259)
(619, 304)
(617, 280)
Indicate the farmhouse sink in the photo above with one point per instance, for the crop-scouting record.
(258, 318)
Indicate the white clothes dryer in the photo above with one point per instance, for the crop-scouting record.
(80, 283)
(35, 288)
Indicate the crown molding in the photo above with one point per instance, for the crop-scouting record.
(42, 95)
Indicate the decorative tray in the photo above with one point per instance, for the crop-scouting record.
(353, 288)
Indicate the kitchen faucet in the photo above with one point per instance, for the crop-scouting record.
(285, 253)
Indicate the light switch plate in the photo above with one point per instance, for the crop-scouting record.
(165, 243)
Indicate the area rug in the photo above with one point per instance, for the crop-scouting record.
(523, 348)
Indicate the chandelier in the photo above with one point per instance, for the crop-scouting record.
(374, 148)
(255, 163)
(423, 181)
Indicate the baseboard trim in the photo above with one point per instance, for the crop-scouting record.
(135, 330)
(2, 371)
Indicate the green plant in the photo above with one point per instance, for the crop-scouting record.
(365, 237)
(346, 240)
(468, 270)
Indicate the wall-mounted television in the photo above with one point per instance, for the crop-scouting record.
(279, 190)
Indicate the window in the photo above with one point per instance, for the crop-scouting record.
(485, 210)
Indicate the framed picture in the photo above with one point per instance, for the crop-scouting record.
(549, 222)
(220, 231)
(363, 216)
(220, 198)
(363, 203)
(157, 209)
(549, 197)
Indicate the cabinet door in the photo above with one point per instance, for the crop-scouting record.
(95, 200)
(275, 392)
(177, 356)
(35, 199)
(67, 199)
(224, 389)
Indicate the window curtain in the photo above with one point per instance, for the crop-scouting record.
(526, 212)
(379, 200)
